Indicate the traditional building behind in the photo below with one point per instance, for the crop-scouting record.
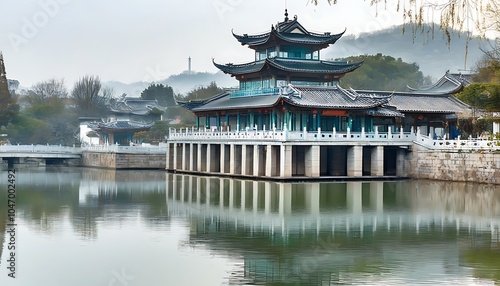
(288, 87)
(128, 116)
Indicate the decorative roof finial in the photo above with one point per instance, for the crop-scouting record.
(286, 15)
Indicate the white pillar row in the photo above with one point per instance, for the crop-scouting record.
(209, 159)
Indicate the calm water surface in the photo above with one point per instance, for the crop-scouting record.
(125, 228)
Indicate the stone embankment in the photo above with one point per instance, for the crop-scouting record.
(480, 166)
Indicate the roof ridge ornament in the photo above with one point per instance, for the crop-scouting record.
(286, 15)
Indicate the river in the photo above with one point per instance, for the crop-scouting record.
(81, 226)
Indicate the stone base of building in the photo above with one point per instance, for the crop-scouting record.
(111, 160)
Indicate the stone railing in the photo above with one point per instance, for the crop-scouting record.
(52, 149)
(286, 135)
(469, 144)
(138, 149)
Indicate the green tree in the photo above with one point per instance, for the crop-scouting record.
(164, 94)
(8, 106)
(204, 92)
(89, 97)
(481, 96)
(487, 70)
(28, 130)
(155, 134)
(381, 72)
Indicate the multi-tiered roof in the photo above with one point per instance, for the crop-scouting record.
(288, 53)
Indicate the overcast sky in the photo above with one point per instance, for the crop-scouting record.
(132, 40)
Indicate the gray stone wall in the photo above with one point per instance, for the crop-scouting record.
(123, 160)
(476, 166)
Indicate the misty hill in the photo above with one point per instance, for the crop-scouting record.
(432, 54)
(181, 83)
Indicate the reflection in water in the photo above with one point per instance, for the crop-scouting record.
(159, 226)
(341, 232)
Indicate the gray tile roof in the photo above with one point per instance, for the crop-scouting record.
(119, 125)
(225, 102)
(290, 65)
(137, 106)
(449, 83)
(429, 103)
(334, 97)
(286, 32)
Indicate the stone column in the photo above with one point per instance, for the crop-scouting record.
(244, 159)
(270, 161)
(168, 158)
(232, 159)
(222, 158)
(175, 157)
(256, 160)
(355, 161)
(184, 157)
(286, 161)
(200, 159)
(192, 158)
(377, 158)
(209, 158)
(312, 161)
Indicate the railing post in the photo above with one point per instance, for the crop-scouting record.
(389, 134)
(401, 132)
(285, 132)
(319, 133)
(304, 133)
(348, 132)
(376, 132)
(362, 132)
(334, 131)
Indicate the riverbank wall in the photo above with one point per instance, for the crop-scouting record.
(123, 160)
(478, 166)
